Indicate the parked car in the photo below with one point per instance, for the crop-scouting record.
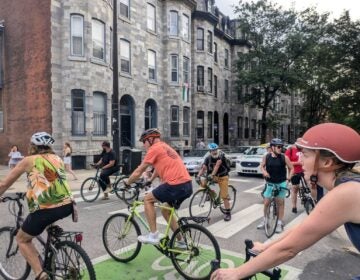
(249, 162)
(235, 153)
(193, 160)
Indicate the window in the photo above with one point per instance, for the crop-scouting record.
(186, 121)
(125, 8)
(150, 114)
(200, 124)
(186, 79)
(111, 47)
(151, 17)
(215, 86)
(253, 129)
(152, 65)
(226, 58)
(174, 68)
(98, 39)
(100, 117)
(200, 76)
(210, 125)
(226, 94)
(174, 23)
(174, 129)
(215, 53)
(210, 42)
(77, 35)
(240, 127)
(77, 112)
(246, 128)
(125, 65)
(185, 27)
(210, 80)
(200, 39)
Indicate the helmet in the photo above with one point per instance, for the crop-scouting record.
(42, 139)
(151, 132)
(213, 146)
(341, 140)
(276, 142)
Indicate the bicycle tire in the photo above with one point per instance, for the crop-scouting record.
(122, 246)
(118, 184)
(195, 237)
(14, 267)
(90, 189)
(201, 204)
(69, 261)
(271, 219)
(309, 205)
(232, 196)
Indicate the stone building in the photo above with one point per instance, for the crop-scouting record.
(176, 73)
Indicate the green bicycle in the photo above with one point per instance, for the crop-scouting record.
(191, 247)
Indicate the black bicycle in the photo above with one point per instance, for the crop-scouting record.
(90, 188)
(305, 195)
(62, 255)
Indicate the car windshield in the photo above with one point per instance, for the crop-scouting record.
(195, 153)
(241, 149)
(256, 151)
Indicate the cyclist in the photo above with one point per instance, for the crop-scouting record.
(328, 160)
(215, 166)
(175, 180)
(273, 167)
(293, 154)
(108, 166)
(49, 196)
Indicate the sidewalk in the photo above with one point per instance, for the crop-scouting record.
(21, 183)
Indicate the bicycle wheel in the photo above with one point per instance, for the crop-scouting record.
(69, 261)
(193, 261)
(200, 204)
(13, 266)
(120, 237)
(232, 198)
(119, 184)
(271, 219)
(309, 205)
(90, 189)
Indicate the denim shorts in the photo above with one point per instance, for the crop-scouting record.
(170, 193)
(270, 186)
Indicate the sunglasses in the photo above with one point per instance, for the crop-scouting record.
(279, 147)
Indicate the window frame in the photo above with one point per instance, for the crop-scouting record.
(215, 86)
(153, 27)
(200, 39)
(102, 115)
(210, 80)
(186, 35)
(97, 21)
(123, 58)
(215, 52)
(226, 58)
(210, 125)
(210, 42)
(174, 123)
(171, 27)
(200, 121)
(77, 131)
(127, 5)
(72, 53)
(186, 121)
(174, 70)
(154, 66)
(226, 89)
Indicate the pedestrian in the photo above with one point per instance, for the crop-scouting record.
(274, 171)
(200, 144)
(67, 151)
(14, 156)
(49, 196)
(327, 160)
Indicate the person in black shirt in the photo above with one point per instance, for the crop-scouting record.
(109, 166)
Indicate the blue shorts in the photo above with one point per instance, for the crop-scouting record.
(269, 188)
(170, 193)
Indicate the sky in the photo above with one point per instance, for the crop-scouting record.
(334, 6)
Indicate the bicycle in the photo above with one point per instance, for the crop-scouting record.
(62, 254)
(90, 188)
(204, 199)
(272, 217)
(305, 195)
(191, 247)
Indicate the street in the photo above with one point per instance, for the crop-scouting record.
(319, 262)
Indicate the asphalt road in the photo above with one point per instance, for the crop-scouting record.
(328, 259)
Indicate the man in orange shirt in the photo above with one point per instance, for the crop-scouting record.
(176, 182)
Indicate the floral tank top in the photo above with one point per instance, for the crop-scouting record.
(47, 184)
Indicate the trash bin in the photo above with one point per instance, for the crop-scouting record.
(131, 159)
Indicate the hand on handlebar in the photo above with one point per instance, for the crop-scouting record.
(126, 184)
(2, 199)
(198, 180)
(148, 183)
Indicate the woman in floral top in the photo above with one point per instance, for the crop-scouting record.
(49, 196)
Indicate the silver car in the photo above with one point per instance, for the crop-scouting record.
(193, 160)
(250, 161)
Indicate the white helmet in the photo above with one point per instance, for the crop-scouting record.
(42, 139)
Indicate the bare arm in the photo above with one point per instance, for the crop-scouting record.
(216, 167)
(202, 170)
(263, 167)
(290, 167)
(138, 172)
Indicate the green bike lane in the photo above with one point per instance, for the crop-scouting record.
(152, 265)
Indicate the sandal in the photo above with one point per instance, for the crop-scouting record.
(42, 276)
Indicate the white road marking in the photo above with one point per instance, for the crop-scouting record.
(255, 190)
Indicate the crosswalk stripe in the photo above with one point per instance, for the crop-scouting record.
(239, 180)
(256, 190)
(239, 221)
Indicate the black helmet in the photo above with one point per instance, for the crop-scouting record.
(276, 142)
(151, 132)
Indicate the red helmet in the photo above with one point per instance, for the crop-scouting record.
(151, 132)
(341, 140)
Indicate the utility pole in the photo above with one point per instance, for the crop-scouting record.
(115, 124)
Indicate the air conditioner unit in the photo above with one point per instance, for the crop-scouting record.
(200, 88)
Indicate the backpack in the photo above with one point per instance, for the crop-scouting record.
(227, 162)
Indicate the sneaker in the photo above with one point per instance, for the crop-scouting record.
(150, 238)
(107, 190)
(227, 216)
(294, 210)
(106, 196)
(261, 225)
(279, 227)
(181, 244)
